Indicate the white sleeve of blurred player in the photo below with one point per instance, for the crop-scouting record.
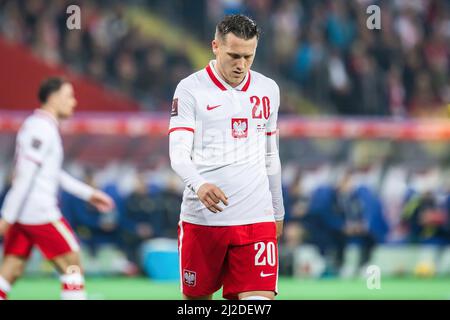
(25, 173)
(33, 145)
(75, 187)
(273, 163)
(180, 146)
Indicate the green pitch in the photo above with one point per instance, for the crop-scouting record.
(143, 288)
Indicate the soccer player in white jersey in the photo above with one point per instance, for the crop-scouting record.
(30, 214)
(222, 137)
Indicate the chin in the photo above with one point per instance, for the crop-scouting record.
(64, 116)
(237, 80)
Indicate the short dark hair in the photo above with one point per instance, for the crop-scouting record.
(238, 24)
(49, 86)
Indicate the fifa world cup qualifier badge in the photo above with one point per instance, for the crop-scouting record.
(36, 143)
(239, 127)
(174, 111)
(189, 278)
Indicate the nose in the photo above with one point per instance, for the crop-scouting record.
(241, 64)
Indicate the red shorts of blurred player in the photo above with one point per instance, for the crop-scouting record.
(53, 239)
(241, 258)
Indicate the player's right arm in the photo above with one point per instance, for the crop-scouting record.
(33, 144)
(181, 141)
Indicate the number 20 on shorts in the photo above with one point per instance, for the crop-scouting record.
(265, 254)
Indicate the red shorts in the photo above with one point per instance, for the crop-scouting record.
(52, 239)
(241, 258)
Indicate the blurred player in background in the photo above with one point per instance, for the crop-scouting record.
(30, 213)
(223, 145)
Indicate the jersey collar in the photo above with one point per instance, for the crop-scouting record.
(47, 115)
(221, 84)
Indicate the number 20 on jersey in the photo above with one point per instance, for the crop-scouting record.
(260, 109)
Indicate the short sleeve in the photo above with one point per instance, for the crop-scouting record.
(182, 115)
(271, 127)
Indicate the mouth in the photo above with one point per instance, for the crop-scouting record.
(238, 73)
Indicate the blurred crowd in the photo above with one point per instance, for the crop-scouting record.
(334, 207)
(320, 49)
(144, 211)
(326, 50)
(107, 48)
(328, 207)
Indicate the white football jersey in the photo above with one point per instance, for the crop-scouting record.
(32, 198)
(230, 127)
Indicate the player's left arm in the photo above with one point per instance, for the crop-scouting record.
(273, 164)
(99, 199)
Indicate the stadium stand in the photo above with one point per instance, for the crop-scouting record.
(327, 63)
(322, 51)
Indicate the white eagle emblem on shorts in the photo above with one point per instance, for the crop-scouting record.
(189, 278)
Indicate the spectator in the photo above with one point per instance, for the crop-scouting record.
(426, 219)
(295, 201)
(365, 224)
(94, 228)
(321, 51)
(142, 219)
(325, 227)
(170, 203)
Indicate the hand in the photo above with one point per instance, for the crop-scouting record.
(279, 228)
(4, 226)
(210, 195)
(101, 201)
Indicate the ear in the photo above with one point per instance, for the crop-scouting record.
(215, 46)
(52, 99)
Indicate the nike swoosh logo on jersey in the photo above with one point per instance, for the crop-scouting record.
(208, 107)
(263, 275)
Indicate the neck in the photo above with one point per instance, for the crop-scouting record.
(51, 111)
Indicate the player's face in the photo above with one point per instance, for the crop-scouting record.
(234, 57)
(65, 101)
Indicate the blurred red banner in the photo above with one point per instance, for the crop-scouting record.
(156, 124)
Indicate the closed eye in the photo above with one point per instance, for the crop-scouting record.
(237, 56)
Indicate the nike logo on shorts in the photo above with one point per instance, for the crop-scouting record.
(208, 107)
(263, 275)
